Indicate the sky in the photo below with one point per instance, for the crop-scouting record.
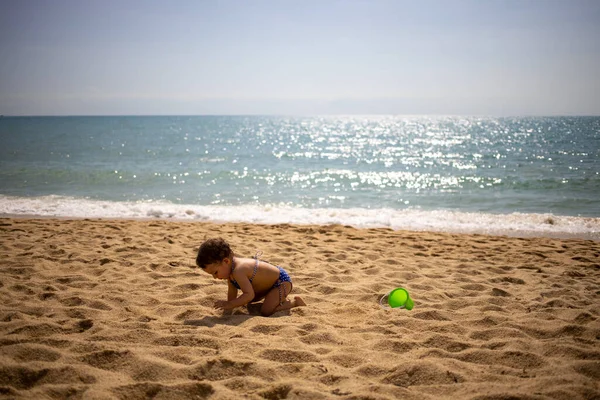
(299, 57)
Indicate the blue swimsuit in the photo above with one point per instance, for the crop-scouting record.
(283, 277)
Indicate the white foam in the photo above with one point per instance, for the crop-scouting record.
(515, 224)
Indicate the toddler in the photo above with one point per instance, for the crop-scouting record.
(255, 278)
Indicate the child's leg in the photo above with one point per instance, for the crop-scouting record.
(271, 304)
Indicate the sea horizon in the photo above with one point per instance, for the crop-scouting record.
(308, 115)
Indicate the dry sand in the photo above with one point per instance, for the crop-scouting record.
(105, 309)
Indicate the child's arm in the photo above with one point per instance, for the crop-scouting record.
(245, 298)
(231, 291)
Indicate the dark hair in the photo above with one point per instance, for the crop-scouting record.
(211, 251)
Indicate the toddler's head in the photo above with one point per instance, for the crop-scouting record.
(213, 251)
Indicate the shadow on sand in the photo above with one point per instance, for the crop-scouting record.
(232, 319)
(220, 320)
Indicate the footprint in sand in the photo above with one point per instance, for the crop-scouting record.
(155, 390)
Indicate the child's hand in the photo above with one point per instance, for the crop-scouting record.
(221, 304)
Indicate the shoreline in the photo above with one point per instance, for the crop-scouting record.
(525, 234)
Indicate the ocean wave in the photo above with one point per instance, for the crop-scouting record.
(513, 224)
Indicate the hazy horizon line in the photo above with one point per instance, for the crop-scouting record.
(301, 115)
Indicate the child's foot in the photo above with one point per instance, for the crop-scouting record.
(298, 302)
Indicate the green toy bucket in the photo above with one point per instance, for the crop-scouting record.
(397, 298)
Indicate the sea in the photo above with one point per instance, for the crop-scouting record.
(516, 176)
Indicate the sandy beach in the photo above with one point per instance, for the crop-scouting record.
(115, 309)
